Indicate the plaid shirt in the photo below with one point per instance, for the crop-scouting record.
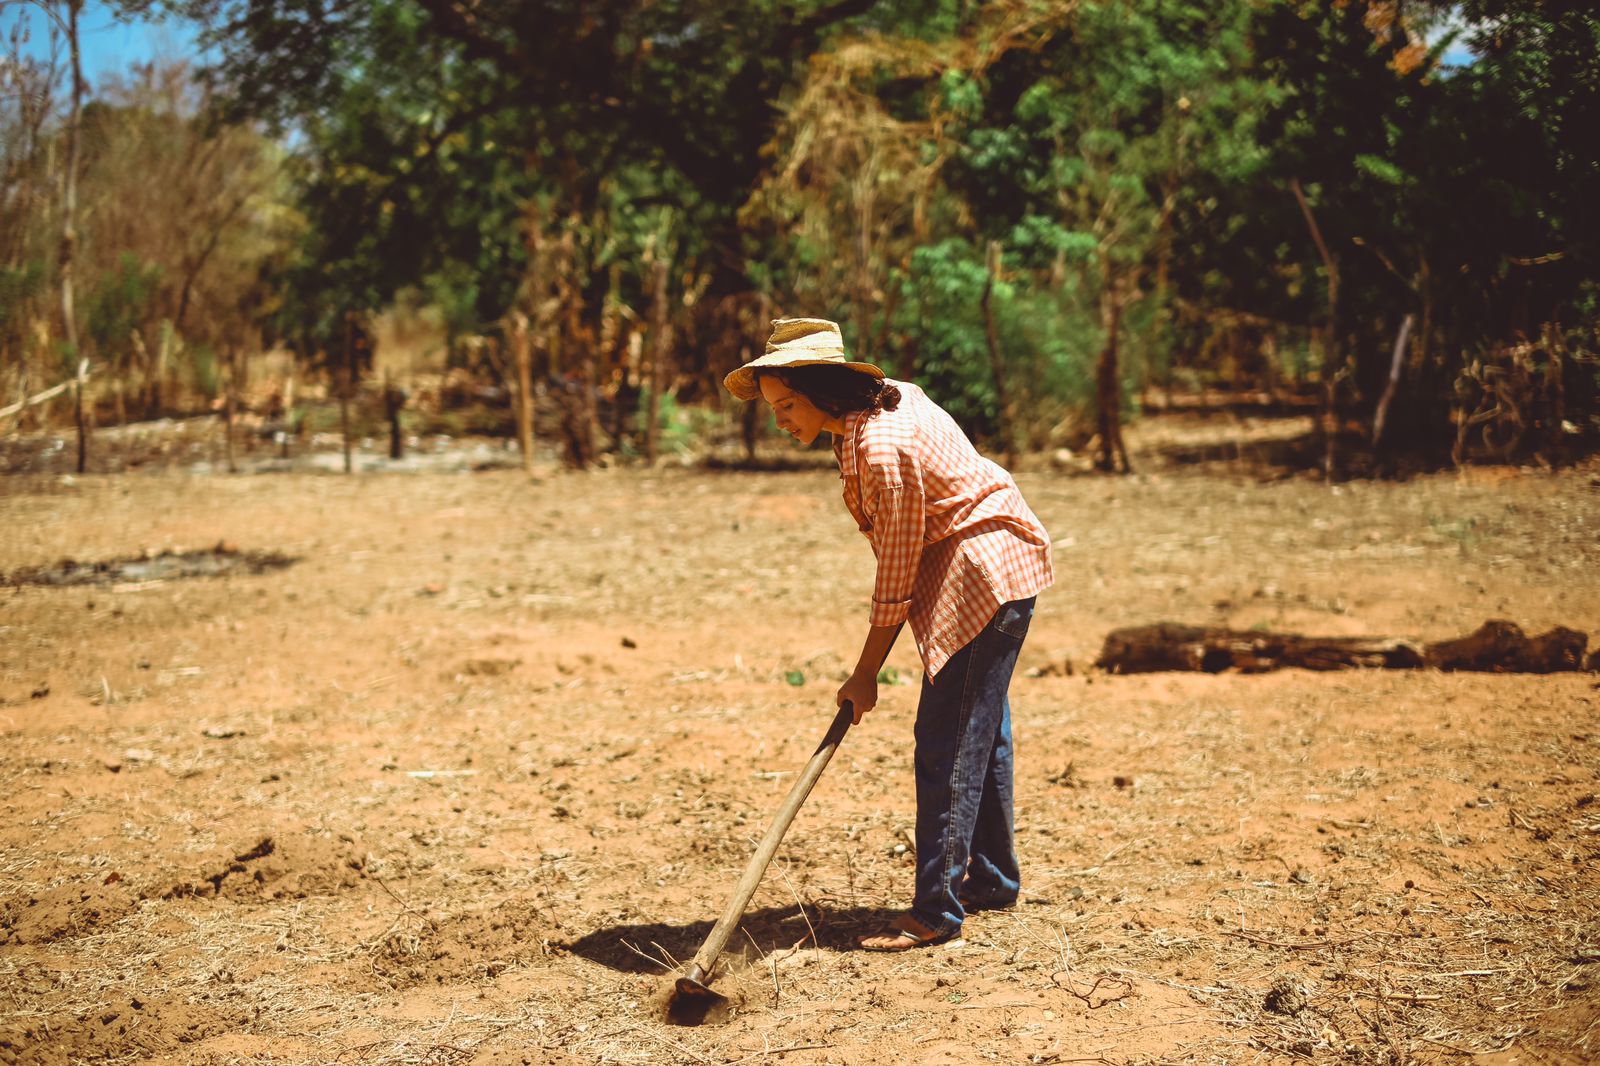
(953, 536)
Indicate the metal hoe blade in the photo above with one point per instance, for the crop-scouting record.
(692, 1003)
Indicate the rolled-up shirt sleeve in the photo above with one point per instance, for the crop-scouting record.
(892, 495)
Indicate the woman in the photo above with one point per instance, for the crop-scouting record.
(962, 558)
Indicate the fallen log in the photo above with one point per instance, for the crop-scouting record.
(1497, 646)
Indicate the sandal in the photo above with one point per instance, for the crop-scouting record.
(972, 906)
(897, 937)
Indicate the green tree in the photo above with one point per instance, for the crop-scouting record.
(437, 135)
(1454, 196)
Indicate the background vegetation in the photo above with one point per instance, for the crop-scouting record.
(1050, 213)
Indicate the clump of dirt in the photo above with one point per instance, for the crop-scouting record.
(128, 1027)
(277, 866)
(1286, 996)
(206, 562)
(448, 950)
(62, 913)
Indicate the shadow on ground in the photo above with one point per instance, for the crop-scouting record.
(657, 947)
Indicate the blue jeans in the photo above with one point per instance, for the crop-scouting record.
(965, 844)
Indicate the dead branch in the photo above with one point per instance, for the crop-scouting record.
(1088, 996)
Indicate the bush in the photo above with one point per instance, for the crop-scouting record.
(1047, 345)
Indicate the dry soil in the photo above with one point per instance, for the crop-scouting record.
(463, 781)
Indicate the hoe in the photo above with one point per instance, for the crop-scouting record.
(690, 1001)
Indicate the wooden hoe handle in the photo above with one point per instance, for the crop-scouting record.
(706, 957)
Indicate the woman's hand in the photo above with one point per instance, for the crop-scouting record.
(861, 691)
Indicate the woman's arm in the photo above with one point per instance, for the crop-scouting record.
(862, 688)
(892, 494)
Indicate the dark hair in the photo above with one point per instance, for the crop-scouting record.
(837, 390)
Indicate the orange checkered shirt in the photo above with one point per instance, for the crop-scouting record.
(953, 536)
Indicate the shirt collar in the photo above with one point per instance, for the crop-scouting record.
(847, 455)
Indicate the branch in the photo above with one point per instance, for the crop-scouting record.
(210, 246)
(84, 369)
(1322, 247)
(1395, 362)
(48, 9)
(1361, 242)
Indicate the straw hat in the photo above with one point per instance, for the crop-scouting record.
(795, 342)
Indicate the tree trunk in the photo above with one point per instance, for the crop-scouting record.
(230, 388)
(81, 417)
(750, 421)
(347, 386)
(526, 330)
(660, 349)
(579, 354)
(1553, 441)
(69, 226)
(1419, 350)
(69, 185)
(119, 396)
(1008, 429)
(522, 356)
(146, 364)
(1108, 386)
(394, 398)
(288, 414)
(21, 406)
(1326, 428)
(1396, 361)
(164, 355)
(610, 354)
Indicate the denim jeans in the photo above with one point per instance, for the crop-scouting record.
(965, 843)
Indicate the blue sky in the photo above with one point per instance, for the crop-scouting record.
(110, 47)
(1458, 54)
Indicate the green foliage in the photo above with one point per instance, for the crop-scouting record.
(1457, 196)
(120, 301)
(942, 321)
(1380, 169)
(204, 369)
(1135, 160)
(1042, 338)
(20, 285)
(679, 427)
(438, 143)
(453, 289)
(22, 291)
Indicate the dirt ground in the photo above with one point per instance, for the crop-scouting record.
(461, 782)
